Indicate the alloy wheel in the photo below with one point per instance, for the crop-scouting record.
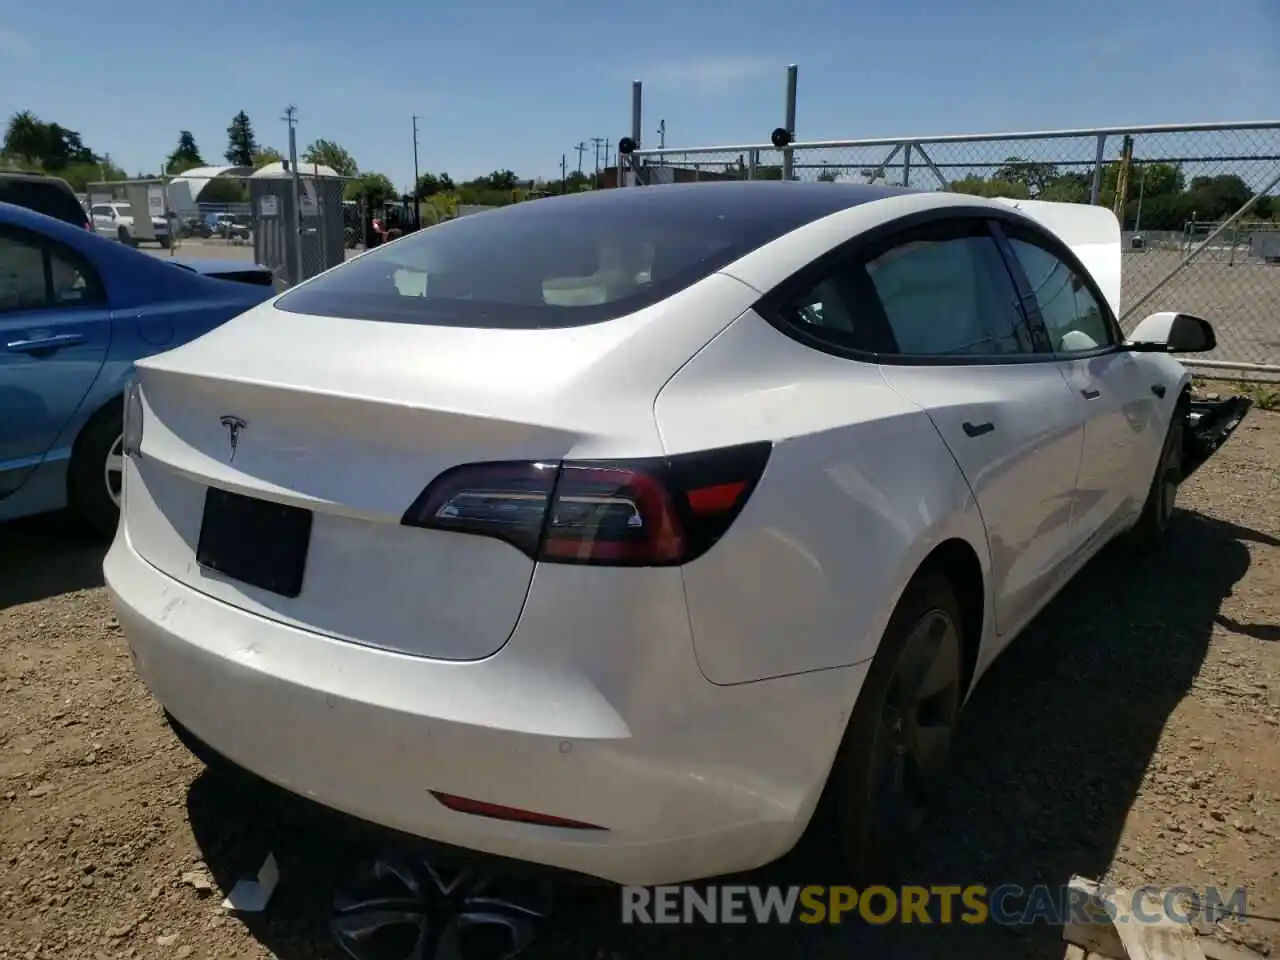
(396, 907)
(917, 724)
(1167, 486)
(113, 470)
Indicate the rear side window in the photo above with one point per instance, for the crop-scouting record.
(51, 199)
(564, 261)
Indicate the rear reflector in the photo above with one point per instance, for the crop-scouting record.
(496, 811)
(662, 511)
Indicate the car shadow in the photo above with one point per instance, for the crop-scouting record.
(1053, 748)
(46, 556)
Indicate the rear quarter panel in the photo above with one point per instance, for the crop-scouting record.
(858, 491)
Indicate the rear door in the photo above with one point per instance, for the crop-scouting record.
(1117, 398)
(55, 329)
(956, 342)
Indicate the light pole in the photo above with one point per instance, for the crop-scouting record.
(417, 209)
(599, 142)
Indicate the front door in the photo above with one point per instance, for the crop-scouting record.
(1122, 436)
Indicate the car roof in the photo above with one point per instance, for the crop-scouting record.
(805, 199)
(20, 216)
(33, 176)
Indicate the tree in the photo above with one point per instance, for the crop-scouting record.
(1067, 187)
(428, 186)
(1033, 175)
(43, 146)
(264, 155)
(25, 136)
(326, 153)
(446, 183)
(979, 187)
(501, 180)
(374, 189)
(241, 145)
(185, 156)
(1216, 198)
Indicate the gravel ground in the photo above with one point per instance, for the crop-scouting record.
(1133, 733)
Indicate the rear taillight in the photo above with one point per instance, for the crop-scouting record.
(656, 512)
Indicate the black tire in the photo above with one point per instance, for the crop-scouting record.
(125, 237)
(1162, 495)
(165, 242)
(87, 481)
(866, 829)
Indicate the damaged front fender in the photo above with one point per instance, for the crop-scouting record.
(1210, 423)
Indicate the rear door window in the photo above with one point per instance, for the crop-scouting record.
(37, 273)
(948, 296)
(936, 291)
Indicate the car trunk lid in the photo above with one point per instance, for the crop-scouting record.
(349, 421)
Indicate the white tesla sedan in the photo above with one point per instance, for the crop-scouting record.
(633, 532)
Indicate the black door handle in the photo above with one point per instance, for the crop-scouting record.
(978, 429)
(1158, 389)
(1090, 394)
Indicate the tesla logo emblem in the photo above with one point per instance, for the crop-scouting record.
(234, 425)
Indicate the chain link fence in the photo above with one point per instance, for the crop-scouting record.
(1197, 203)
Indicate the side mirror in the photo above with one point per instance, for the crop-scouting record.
(1170, 332)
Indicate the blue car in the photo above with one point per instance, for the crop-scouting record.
(76, 311)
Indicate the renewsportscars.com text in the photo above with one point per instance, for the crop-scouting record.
(1008, 904)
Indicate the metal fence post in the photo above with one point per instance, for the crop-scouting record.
(632, 159)
(295, 217)
(906, 166)
(1095, 190)
(788, 155)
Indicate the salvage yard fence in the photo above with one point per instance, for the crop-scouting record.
(1197, 202)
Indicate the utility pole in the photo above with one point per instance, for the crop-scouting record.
(417, 208)
(599, 143)
(581, 148)
(295, 218)
(564, 180)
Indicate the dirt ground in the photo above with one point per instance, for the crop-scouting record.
(1132, 733)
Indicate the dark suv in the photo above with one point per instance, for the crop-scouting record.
(43, 194)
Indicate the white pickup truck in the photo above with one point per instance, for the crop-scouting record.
(115, 220)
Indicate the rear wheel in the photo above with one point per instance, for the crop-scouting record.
(897, 747)
(125, 237)
(97, 471)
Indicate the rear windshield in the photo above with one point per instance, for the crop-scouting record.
(51, 199)
(569, 260)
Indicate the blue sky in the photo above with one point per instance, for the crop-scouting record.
(514, 85)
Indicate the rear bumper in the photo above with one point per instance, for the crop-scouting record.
(595, 711)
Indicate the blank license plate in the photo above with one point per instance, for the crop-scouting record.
(258, 542)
